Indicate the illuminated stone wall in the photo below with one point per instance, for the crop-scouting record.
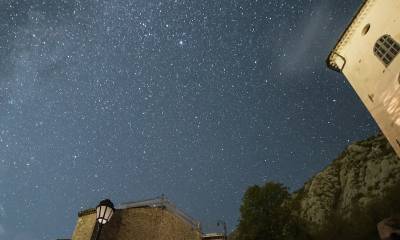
(84, 227)
(143, 223)
(377, 84)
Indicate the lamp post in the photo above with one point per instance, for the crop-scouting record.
(104, 212)
(223, 223)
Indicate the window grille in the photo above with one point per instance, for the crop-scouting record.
(386, 49)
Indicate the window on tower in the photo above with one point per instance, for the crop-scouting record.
(386, 49)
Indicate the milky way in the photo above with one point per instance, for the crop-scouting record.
(194, 99)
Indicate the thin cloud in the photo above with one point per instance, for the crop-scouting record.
(304, 48)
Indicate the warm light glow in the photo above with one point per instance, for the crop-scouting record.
(104, 211)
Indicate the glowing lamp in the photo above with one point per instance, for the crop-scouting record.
(104, 211)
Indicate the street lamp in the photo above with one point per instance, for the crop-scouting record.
(223, 223)
(104, 212)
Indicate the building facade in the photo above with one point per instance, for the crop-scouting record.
(214, 236)
(145, 220)
(367, 53)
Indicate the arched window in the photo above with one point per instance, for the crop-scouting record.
(386, 49)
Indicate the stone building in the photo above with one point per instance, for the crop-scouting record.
(214, 236)
(367, 54)
(146, 220)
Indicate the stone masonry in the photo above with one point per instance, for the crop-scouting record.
(150, 220)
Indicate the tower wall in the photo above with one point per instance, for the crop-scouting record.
(377, 86)
(144, 223)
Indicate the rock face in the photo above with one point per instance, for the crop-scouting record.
(361, 173)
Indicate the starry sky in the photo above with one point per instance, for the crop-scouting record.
(196, 99)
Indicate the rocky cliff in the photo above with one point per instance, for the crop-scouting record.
(361, 173)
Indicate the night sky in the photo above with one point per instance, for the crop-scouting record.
(130, 99)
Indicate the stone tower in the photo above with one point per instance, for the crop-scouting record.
(367, 53)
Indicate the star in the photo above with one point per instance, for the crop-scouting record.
(132, 99)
